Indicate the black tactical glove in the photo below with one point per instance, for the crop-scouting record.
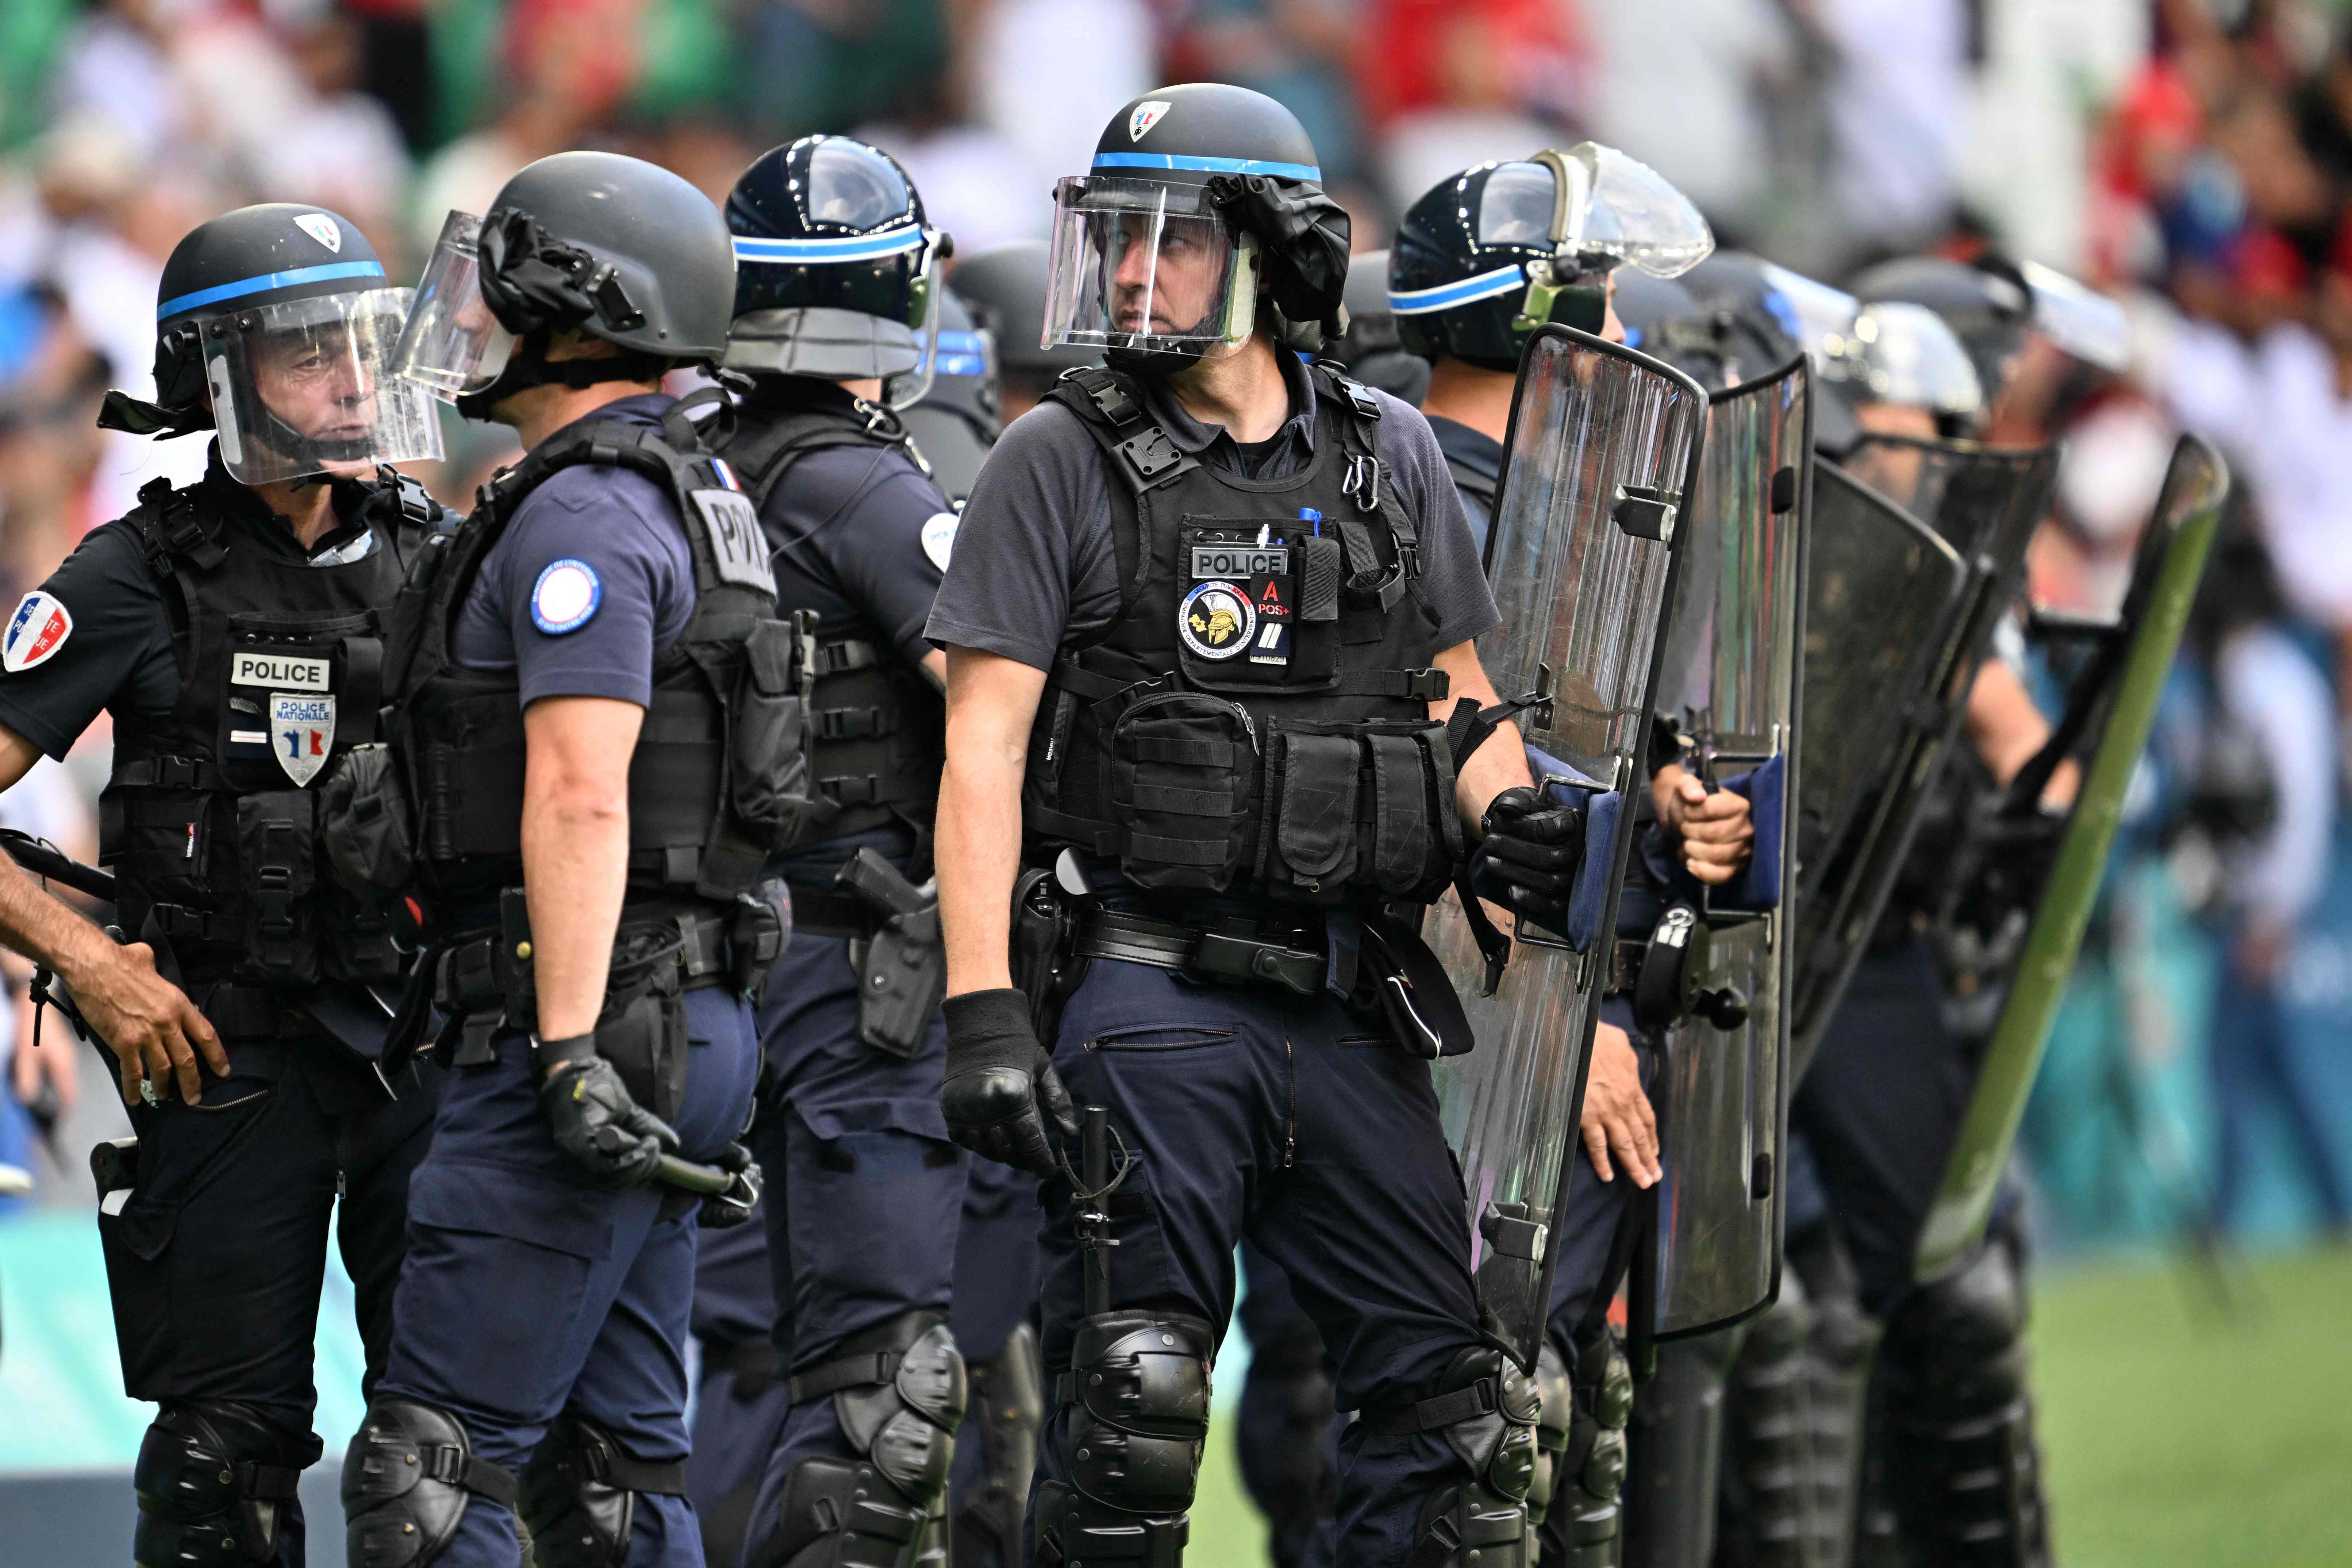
(615, 1140)
(1303, 239)
(1000, 1084)
(1528, 858)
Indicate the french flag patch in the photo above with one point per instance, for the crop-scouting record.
(726, 474)
(37, 629)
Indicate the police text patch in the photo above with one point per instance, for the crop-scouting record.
(1239, 560)
(36, 632)
(739, 545)
(278, 670)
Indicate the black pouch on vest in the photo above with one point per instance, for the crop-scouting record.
(772, 771)
(1184, 778)
(166, 834)
(360, 944)
(642, 1030)
(364, 825)
(1311, 781)
(277, 841)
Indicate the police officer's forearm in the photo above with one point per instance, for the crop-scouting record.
(1502, 762)
(991, 701)
(576, 851)
(31, 921)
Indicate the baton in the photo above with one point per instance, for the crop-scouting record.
(737, 1189)
(43, 861)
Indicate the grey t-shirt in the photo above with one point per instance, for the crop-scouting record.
(1036, 570)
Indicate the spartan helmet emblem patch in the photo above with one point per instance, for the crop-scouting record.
(301, 733)
(322, 228)
(1146, 115)
(1215, 620)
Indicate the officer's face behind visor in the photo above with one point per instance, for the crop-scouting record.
(1142, 265)
(453, 345)
(305, 387)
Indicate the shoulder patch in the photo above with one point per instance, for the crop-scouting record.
(566, 597)
(939, 537)
(36, 632)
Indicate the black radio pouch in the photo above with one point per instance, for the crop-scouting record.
(642, 1030)
(277, 841)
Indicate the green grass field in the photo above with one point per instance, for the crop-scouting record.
(2176, 1439)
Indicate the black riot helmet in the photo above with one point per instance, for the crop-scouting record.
(1005, 288)
(1200, 199)
(274, 326)
(609, 246)
(1987, 303)
(1484, 257)
(835, 268)
(959, 416)
(1370, 348)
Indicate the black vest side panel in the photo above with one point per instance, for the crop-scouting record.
(209, 819)
(879, 728)
(1257, 720)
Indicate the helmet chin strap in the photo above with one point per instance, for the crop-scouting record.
(529, 367)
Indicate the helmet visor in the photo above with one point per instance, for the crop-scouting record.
(1902, 353)
(1811, 312)
(1628, 212)
(905, 388)
(306, 387)
(452, 344)
(1144, 265)
(2088, 325)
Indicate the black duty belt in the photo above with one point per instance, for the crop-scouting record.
(831, 911)
(472, 975)
(1625, 956)
(1234, 951)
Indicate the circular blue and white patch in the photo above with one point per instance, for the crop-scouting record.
(939, 537)
(565, 597)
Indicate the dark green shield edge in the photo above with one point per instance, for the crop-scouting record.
(2194, 489)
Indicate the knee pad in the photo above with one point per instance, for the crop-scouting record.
(1008, 1401)
(1837, 1361)
(213, 1479)
(898, 1391)
(1674, 1453)
(1581, 1527)
(1487, 1409)
(1763, 1493)
(1137, 1396)
(1962, 1468)
(406, 1478)
(1555, 1418)
(579, 1494)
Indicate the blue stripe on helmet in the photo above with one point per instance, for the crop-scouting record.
(1208, 165)
(1445, 296)
(239, 290)
(854, 247)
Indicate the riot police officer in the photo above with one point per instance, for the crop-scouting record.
(960, 416)
(234, 629)
(1207, 557)
(597, 719)
(836, 320)
(1006, 285)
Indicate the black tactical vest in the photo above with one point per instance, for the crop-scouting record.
(208, 819)
(1257, 720)
(879, 728)
(719, 779)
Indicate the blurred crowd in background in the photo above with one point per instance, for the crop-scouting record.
(2193, 157)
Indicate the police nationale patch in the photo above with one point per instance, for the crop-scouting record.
(939, 538)
(322, 228)
(36, 632)
(1146, 115)
(1215, 620)
(301, 733)
(566, 597)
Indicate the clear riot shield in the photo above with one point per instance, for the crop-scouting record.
(1985, 502)
(2119, 668)
(1729, 681)
(1603, 455)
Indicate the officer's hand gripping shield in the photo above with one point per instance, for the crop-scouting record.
(1729, 680)
(1147, 267)
(453, 343)
(1602, 454)
(1983, 503)
(2110, 708)
(305, 386)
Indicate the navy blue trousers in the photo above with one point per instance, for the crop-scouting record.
(1292, 1122)
(216, 1260)
(526, 1289)
(864, 1191)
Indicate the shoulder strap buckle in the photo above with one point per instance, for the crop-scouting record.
(1110, 394)
(1357, 393)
